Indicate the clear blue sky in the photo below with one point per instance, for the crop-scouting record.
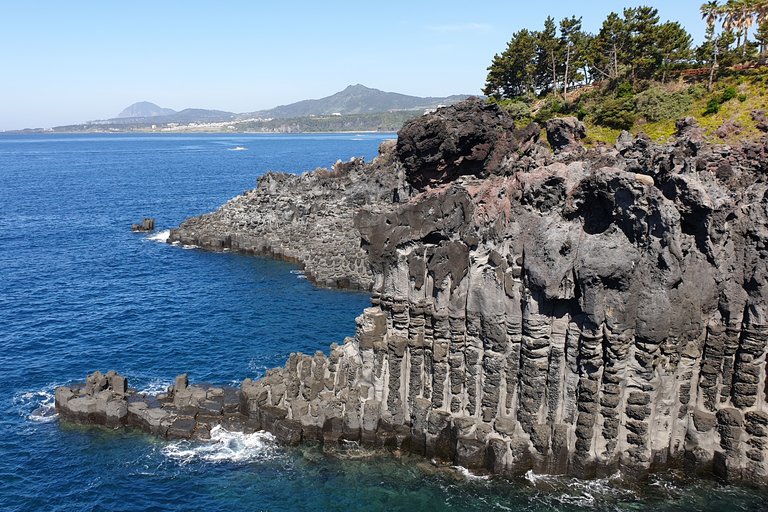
(70, 62)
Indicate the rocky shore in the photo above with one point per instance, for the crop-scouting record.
(304, 219)
(535, 304)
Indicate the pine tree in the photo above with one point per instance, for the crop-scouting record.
(572, 40)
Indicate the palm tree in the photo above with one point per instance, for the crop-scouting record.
(710, 11)
(740, 15)
(761, 9)
(747, 10)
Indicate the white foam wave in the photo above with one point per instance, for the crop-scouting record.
(467, 474)
(224, 446)
(37, 406)
(535, 478)
(189, 247)
(155, 387)
(574, 492)
(162, 236)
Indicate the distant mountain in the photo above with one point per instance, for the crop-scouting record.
(356, 99)
(145, 115)
(145, 109)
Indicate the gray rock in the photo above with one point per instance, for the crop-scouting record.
(573, 313)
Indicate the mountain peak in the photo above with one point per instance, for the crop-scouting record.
(357, 99)
(145, 109)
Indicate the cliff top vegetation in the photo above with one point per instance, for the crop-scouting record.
(639, 74)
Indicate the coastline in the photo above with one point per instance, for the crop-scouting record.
(566, 311)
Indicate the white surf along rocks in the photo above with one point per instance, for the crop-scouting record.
(534, 307)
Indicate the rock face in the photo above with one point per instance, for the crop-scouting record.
(571, 313)
(305, 219)
(564, 133)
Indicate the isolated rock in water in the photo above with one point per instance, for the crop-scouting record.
(564, 133)
(578, 313)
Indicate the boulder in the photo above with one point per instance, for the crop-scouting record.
(564, 133)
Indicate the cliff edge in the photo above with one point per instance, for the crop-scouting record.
(535, 305)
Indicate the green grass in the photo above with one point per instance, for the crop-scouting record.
(736, 95)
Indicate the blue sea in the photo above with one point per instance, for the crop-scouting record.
(80, 292)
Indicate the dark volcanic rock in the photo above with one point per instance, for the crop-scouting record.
(564, 133)
(469, 138)
(578, 313)
(759, 117)
(688, 127)
(305, 219)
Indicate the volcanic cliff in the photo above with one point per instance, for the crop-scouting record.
(535, 305)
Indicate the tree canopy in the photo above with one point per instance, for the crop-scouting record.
(631, 46)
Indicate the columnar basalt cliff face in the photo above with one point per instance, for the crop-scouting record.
(572, 311)
(603, 310)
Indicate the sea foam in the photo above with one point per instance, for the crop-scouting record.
(225, 446)
(37, 406)
(162, 236)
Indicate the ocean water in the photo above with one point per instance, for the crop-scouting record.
(79, 292)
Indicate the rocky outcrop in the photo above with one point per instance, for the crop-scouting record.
(575, 312)
(305, 219)
(564, 133)
(183, 412)
(471, 138)
(146, 225)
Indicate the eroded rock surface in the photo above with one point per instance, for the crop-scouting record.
(572, 313)
(305, 219)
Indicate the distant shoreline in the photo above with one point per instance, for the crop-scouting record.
(156, 132)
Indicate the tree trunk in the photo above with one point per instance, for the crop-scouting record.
(554, 71)
(744, 48)
(712, 69)
(565, 80)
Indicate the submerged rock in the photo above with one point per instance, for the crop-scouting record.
(571, 313)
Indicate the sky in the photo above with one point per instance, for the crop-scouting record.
(70, 62)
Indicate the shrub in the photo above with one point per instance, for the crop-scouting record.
(728, 94)
(624, 91)
(713, 106)
(742, 98)
(542, 115)
(696, 91)
(617, 113)
(654, 104)
(516, 109)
